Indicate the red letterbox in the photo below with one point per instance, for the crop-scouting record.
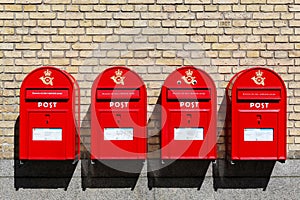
(188, 99)
(256, 116)
(118, 115)
(49, 116)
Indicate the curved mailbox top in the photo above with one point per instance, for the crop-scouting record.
(48, 77)
(118, 77)
(256, 83)
(189, 77)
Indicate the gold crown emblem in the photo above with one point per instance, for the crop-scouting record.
(47, 72)
(118, 72)
(189, 72)
(259, 73)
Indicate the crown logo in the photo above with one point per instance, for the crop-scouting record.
(47, 79)
(118, 78)
(259, 79)
(189, 78)
(47, 72)
(118, 72)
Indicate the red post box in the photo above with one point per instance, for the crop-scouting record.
(118, 115)
(256, 116)
(49, 116)
(188, 98)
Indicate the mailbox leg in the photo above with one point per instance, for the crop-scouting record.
(75, 160)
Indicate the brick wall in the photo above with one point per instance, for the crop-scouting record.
(153, 37)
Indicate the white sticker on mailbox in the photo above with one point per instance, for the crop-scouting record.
(47, 134)
(258, 134)
(118, 133)
(188, 133)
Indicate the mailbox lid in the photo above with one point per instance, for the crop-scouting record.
(123, 94)
(185, 94)
(32, 94)
(258, 94)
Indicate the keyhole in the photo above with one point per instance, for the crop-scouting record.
(189, 116)
(47, 118)
(258, 119)
(118, 117)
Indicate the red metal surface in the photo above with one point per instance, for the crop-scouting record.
(119, 101)
(49, 100)
(188, 98)
(256, 100)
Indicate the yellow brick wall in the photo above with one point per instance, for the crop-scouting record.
(153, 37)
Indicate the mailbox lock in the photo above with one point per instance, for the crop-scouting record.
(47, 118)
(178, 82)
(258, 119)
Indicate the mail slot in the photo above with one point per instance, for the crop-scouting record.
(118, 115)
(256, 116)
(49, 116)
(188, 98)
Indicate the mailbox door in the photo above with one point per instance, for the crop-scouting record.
(119, 132)
(257, 134)
(47, 135)
(186, 133)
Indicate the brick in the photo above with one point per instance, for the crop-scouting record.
(126, 16)
(169, 1)
(96, 15)
(197, 1)
(43, 31)
(14, 8)
(71, 31)
(85, 1)
(57, 1)
(56, 46)
(210, 8)
(279, 1)
(29, 8)
(7, 31)
(28, 46)
(113, 2)
(155, 31)
(225, 1)
(84, 46)
(7, 15)
(253, 1)
(250, 46)
(168, 62)
(266, 31)
(209, 16)
(238, 31)
(278, 46)
(154, 16)
(242, 16)
(197, 8)
(224, 62)
(137, 46)
(225, 8)
(252, 61)
(224, 46)
(39, 15)
(28, 2)
(266, 16)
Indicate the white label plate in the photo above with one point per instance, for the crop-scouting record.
(118, 133)
(188, 133)
(258, 134)
(47, 134)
